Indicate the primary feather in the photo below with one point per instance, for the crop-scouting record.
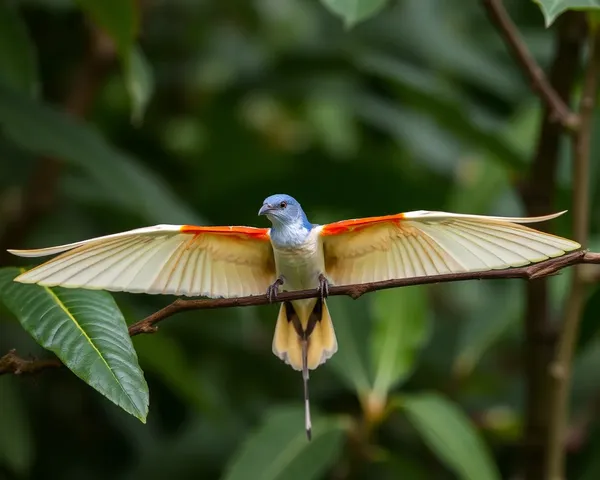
(164, 259)
(423, 243)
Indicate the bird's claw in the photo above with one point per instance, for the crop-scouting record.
(273, 289)
(323, 287)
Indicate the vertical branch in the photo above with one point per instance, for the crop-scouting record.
(561, 368)
(538, 196)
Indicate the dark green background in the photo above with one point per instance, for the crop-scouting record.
(418, 108)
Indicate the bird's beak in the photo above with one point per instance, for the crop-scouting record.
(265, 209)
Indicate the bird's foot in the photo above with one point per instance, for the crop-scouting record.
(273, 289)
(323, 287)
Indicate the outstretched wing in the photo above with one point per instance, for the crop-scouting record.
(167, 259)
(423, 243)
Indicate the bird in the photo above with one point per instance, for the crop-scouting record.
(295, 254)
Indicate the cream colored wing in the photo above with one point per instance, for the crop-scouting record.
(426, 243)
(164, 259)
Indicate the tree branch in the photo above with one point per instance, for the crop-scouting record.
(560, 111)
(538, 193)
(12, 364)
(561, 368)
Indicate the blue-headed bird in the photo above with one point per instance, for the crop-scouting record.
(294, 254)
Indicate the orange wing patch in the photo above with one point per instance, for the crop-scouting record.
(358, 224)
(252, 232)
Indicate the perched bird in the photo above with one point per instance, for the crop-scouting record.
(294, 254)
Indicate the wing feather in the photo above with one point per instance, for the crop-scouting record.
(164, 259)
(424, 243)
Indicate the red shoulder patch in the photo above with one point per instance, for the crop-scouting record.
(248, 232)
(345, 226)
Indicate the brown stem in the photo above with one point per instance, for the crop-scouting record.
(538, 196)
(539, 83)
(561, 368)
(40, 191)
(531, 272)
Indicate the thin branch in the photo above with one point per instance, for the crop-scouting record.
(149, 324)
(561, 368)
(539, 83)
(12, 363)
(538, 192)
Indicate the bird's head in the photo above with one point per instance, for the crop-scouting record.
(283, 210)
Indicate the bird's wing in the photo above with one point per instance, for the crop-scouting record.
(423, 243)
(166, 259)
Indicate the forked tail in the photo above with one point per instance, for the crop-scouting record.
(304, 339)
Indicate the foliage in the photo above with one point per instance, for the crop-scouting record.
(355, 107)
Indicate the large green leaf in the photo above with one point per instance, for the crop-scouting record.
(279, 449)
(401, 327)
(16, 442)
(354, 11)
(18, 59)
(553, 8)
(127, 183)
(87, 331)
(450, 435)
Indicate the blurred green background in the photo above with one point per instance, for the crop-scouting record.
(420, 107)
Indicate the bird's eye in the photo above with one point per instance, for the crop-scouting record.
(283, 204)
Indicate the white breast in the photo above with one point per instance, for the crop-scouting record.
(301, 265)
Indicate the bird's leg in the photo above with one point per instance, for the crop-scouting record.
(323, 287)
(273, 289)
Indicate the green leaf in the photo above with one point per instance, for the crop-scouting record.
(140, 83)
(87, 331)
(450, 435)
(16, 440)
(401, 328)
(127, 183)
(354, 11)
(18, 59)
(551, 9)
(279, 449)
(119, 18)
(352, 324)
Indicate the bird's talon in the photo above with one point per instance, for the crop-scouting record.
(273, 290)
(323, 287)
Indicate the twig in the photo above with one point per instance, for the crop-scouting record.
(12, 363)
(530, 272)
(561, 368)
(539, 83)
(538, 193)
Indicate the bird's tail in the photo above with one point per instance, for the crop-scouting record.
(304, 323)
(304, 338)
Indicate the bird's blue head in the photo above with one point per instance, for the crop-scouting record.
(284, 211)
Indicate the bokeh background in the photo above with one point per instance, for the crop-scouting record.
(420, 107)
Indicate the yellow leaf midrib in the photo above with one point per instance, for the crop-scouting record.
(63, 307)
